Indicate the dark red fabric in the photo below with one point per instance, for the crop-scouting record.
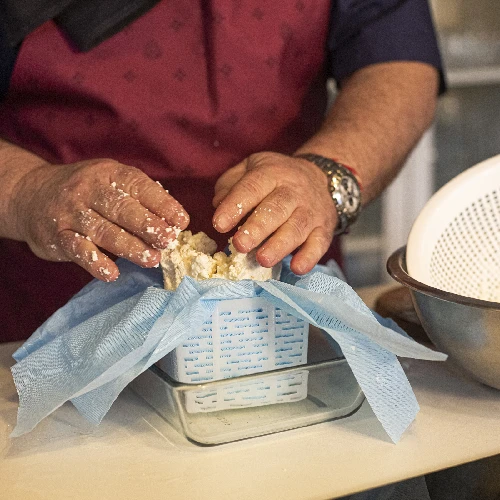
(185, 92)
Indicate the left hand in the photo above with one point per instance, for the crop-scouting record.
(291, 204)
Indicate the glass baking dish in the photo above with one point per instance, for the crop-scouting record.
(289, 398)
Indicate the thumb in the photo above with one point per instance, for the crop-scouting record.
(226, 181)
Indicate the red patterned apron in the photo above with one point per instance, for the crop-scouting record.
(183, 93)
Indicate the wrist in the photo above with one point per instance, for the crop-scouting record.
(26, 200)
(323, 162)
(322, 146)
(16, 166)
(344, 186)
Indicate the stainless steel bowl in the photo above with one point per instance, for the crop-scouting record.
(466, 329)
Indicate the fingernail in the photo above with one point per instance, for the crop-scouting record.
(268, 256)
(153, 261)
(223, 222)
(180, 217)
(145, 256)
(245, 241)
(105, 273)
(162, 242)
(300, 268)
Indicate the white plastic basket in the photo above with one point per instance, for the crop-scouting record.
(454, 244)
(242, 337)
(271, 389)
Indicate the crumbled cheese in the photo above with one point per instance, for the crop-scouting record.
(194, 255)
(104, 271)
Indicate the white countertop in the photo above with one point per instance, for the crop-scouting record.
(134, 453)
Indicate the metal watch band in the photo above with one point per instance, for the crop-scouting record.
(347, 201)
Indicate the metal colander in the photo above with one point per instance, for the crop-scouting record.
(451, 265)
(454, 244)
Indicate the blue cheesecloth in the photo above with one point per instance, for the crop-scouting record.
(106, 335)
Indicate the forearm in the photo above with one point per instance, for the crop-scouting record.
(376, 120)
(72, 212)
(15, 164)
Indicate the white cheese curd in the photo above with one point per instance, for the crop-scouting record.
(194, 255)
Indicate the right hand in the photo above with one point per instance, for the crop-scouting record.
(71, 212)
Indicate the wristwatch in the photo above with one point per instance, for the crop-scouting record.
(344, 186)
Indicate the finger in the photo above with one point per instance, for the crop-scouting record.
(287, 238)
(226, 181)
(245, 195)
(271, 214)
(311, 251)
(114, 239)
(125, 211)
(151, 195)
(84, 253)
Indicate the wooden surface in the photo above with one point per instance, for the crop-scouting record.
(135, 454)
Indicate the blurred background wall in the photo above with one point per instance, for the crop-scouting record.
(466, 131)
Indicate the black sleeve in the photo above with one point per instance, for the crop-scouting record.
(8, 57)
(364, 32)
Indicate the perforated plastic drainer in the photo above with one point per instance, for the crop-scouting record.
(242, 337)
(454, 244)
(282, 388)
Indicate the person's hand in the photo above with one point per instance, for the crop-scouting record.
(291, 204)
(71, 212)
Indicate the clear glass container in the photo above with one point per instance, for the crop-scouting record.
(313, 393)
